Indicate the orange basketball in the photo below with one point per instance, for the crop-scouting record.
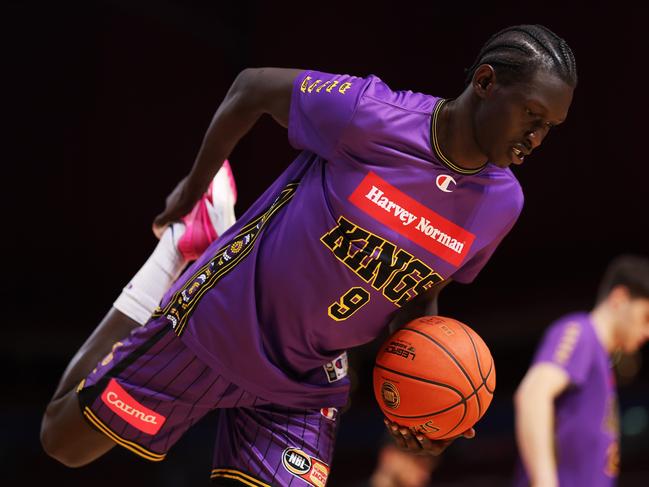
(435, 376)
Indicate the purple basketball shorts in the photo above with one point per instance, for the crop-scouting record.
(151, 388)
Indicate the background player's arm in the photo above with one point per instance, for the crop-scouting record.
(534, 405)
(253, 93)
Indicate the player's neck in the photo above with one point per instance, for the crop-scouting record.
(604, 322)
(456, 135)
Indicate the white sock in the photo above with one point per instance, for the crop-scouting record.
(145, 290)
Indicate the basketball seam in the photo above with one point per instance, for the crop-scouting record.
(477, 357)
(468, 378)
(458, 392)
(463, 400)
(466, 375)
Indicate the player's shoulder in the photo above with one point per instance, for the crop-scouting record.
(500, 189)
(374, 96)
(576, 319)
(570, 343)
(379, 92)
(571, 328)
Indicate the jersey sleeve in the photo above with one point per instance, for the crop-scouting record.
(322, 106)
(566, 345)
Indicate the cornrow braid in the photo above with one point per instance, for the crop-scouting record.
(518, 51)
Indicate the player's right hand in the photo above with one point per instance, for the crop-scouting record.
(179, 202)
(418, 444)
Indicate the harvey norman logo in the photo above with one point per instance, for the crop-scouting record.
(403, 214)
(131, 411)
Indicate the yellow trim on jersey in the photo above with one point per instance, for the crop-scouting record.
(237, 475)
(438, 150)
(182, 311)
(129, 445)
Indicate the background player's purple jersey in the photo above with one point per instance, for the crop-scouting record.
(365, 218)
(586, 414)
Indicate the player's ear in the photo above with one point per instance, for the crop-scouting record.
(619, 296)
(484, 78)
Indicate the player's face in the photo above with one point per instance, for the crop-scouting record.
(513, 120)
(634, 325)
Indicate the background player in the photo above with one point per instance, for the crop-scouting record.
(567, 424)
(349, 234)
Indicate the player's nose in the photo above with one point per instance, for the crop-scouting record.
(534, 138)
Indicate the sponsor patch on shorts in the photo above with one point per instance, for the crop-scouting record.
(337, 368)
(306, 467)
(126, 407)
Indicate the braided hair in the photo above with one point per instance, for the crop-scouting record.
(517, 52)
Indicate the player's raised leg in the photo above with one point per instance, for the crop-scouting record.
(65, 434)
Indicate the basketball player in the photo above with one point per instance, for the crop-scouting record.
(567, 423)
(394, 194)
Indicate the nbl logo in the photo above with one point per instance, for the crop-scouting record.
(308, 468)
(444, 182)
(296, 461)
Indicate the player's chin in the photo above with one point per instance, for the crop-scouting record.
(501, 162)
(634, 348)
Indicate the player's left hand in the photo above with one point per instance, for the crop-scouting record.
(179, 202)
(417, 443)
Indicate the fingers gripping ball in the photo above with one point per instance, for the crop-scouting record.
(435, 376)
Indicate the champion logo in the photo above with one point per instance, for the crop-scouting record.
(329, 413)
(126, 407)
(443, 182)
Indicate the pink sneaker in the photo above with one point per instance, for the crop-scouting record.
(212, 215)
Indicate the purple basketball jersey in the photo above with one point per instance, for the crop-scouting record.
(366, 218)
(586, 414)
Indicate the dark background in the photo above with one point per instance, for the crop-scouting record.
(106, 104)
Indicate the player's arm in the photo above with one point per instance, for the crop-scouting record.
(534, 406)
(253, 93)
